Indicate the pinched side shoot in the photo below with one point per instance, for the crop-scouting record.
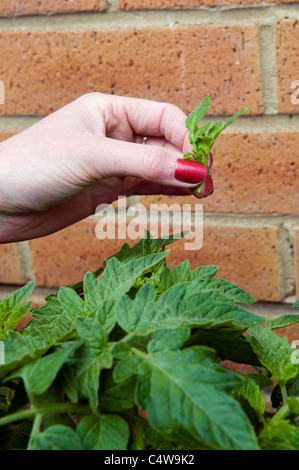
(203, 138)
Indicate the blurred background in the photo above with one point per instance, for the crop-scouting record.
(241, 53)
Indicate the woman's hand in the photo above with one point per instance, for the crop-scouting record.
(89, 152)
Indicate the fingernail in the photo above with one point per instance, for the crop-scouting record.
(208, 186)
(190, 171)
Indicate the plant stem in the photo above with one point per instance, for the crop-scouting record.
(283, 392)
(281, 413)
(35, 430)
(44, 410)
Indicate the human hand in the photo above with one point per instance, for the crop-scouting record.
(58, 171)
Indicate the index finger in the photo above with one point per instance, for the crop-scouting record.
(156, 119)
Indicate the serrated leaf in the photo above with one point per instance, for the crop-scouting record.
(197, 114)
(21, 349)
(225, 288)
(228, 343)
(214, 129)
(39, 375)
(280, 435)
(180, 306)
(229, 122)
(282, 321)
(107, 432)
(168, 340)
(118, 279)
(201, 131)
(251, 392)
(117, 396)
(88, 360)
(188, 390)
(273, 352)
(12, 309)
(58, 437)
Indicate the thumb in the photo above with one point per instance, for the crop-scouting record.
(147, 162)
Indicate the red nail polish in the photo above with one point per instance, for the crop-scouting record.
(208, 186)
(190, 171)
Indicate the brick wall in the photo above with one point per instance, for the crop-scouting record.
(240, 52)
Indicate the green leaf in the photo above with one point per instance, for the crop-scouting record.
(214, 129)
(180, 306)
(39, 375)
(117, 396)
(89, 358)
(107, 432)
(58, 437)
(228, 343)
(188, 391)
(118, 279)
(203, 272)
(251, 392)
(293, 403)
(273, 352)
(296, 304)
(282, 321)
(12, 309)
(229, 122)
(188, 156)
(21, 349)
(202, 130)
(226, 289)
(197, 114)
(280, 435)
(168, 340)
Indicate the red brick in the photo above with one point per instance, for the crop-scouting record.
(25, 7)
(10, 272)
(246, 256)
(45, 70)
(175, 4)
(296, 260)
(253, 173)
(5, 134)
(287, 68)
(64, 257)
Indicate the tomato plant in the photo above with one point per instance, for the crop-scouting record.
(132, 358)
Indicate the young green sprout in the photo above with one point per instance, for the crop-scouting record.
(203, 138)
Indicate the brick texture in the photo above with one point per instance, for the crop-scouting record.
(5, 134)
(287, 68)
(253, 173)
(25, 7)
(64, 257)
(246, 256)
(46, 70)
(10, 272)
(153, 4)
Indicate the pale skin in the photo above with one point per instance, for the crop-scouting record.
(87, 153)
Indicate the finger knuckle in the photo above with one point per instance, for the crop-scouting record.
(156, 165)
